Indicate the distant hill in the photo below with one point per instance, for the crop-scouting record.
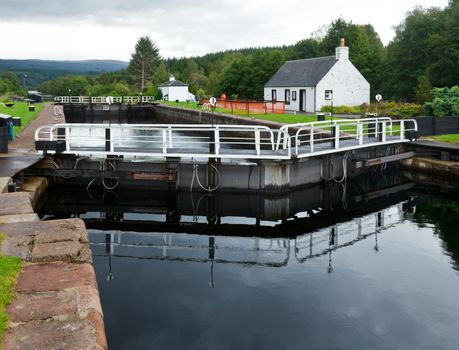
(38, 71)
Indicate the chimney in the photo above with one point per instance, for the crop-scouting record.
(342, 52)
(171, 78)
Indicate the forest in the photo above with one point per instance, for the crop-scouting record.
(423, 55)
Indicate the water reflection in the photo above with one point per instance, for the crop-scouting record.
(360, 267)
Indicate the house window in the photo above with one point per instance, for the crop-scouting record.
(293, 95)
(287, 97)
(274, 95)
(329, 95)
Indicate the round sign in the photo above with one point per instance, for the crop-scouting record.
(378, 97)
(109, 100)
(213, 101)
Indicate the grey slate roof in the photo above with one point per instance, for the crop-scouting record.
(173, 83)
(307, 72)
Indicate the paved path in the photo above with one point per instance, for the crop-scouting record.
(25, 142)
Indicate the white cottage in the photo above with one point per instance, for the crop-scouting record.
(174, 90)
(308, 84)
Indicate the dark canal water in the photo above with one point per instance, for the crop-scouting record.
(378, 272)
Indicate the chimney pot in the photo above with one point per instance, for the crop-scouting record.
(342, 42)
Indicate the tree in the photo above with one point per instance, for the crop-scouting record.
(365, 48)
(11, 81)
(143, 62)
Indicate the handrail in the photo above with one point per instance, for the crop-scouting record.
(103, 99)
(227, 141)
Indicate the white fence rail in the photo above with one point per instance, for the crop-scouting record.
(184, 141)
(227, 141)
(103, 99)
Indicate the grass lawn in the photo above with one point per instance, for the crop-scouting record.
(279, 118)
(9, 270)
(449, 138)
(21, 109)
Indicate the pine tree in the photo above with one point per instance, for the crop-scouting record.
(143, 62)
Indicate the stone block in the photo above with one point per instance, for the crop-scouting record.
(41, 306)
(4, 181)
(73, 334)
(55, 276)
(15, 203)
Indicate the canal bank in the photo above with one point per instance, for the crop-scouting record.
(56, 303)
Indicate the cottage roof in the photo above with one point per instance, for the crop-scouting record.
(305, 72)
(172, 83)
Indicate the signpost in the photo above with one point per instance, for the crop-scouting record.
(378, 98)
(213, 102)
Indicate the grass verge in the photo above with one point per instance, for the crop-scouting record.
(279, 118)
(21, 109)
(9, 270)
(449, 138)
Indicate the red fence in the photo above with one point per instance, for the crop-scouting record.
(250, 106)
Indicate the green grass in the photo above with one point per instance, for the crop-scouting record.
(9, 270)
(21, 109)
(279, 118)
(449, 138)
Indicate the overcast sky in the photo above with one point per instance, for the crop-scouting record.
(108, 29)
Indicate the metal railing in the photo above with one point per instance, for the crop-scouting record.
(316, 138)
(159, 140)
(228, 141)
(103, 99)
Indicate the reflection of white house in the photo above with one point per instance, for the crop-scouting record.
(308, 84)
(174, 90)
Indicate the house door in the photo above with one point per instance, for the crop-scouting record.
(302, 100)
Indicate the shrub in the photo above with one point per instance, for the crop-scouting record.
(445, 102)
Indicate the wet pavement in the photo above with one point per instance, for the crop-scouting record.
(10, 166)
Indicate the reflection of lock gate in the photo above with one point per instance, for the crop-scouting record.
(274, 252)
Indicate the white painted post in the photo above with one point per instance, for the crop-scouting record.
(257, 141)
(169, 131)
(164, 133)
(311, 139)
(360, 133)
(383, 130)
(217, 141)
(112, 144)
(402, 129)
(336, 136)
(67, 141)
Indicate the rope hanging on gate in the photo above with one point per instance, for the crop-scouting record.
(196, 175)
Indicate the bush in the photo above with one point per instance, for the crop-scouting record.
(445, 102)
(387, 108)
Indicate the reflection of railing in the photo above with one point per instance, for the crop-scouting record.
(176, 247)
(274, 252)
(345, 234)
(103, 99)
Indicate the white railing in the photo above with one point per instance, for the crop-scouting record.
(317, 138)
(159, 140)
(103, 99)
(228, 141)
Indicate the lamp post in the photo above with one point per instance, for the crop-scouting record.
(70, 90)
(24, 80)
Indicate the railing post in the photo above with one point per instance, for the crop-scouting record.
(257, 141)
(402, 129)
(360, 133)
(336, 135)
(383, 131)
(217, 141)
(311, 138)
(164, 134)
(169, 130)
